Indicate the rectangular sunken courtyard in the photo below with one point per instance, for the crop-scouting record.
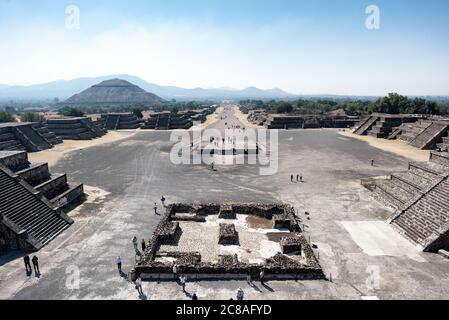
(228, 241)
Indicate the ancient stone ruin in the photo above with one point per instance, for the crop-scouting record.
(227, 234)
(420, 197)
(120, 121)
(418, 131)
(183, 239)
(76, 128)
(33, 203)
(31, 137)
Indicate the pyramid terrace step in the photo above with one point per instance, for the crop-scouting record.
(35, 174)
(431, 167)
(414, 180)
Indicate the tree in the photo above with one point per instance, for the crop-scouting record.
(6, 117)
(71, 112)
(31, 117)
(285, 107)
(138, 113)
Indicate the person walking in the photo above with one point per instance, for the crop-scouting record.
(163, 201)
(35, 261)
(183, 280)
(300, 178)
(26, 260)
(144, 245)
(262, 277)
(291, 178)
(119, 264)
(240, 294)
(155, 208)
(135, 243)
(297, 178)
(139, 286)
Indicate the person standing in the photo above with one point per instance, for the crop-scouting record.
(248, 277)
(297, 178)
(26, 260)
(155, 208)
(262, 277)
(35, 261)
(300, 178)
(139, 286)
(291, 178)
(135, 243)
(163, 201)
(240, 294)
(194, 297)
(119, 264)
(183, 280)
(144, 246)
(175, 270)
(2, 244)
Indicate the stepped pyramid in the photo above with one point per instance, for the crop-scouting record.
(114, 92)
(33, 202)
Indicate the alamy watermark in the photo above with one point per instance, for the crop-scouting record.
(372, 22)
(73, 19)
(236, 146)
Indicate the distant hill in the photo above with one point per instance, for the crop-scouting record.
(114, 91)
(63, 89)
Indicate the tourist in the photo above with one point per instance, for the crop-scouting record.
(183, 280)
(175, 270)
(291, 178)
(155, 208)
(26, 259)
(372, 163)
(135, 243)
(2, 245)
(300, 178)
(240, 294)
(297, 178)
(144, 246)
(194, 297)
(119, 264)
(35, 261)
(139, 286)
(262, 277)
(163, 201)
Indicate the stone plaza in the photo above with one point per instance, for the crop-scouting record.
(344, 228)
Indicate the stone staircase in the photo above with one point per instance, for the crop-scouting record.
(49, 136)
(409, 131)
(426, 220)
(111, 122)
(429, 137)
(421, 199)
(23, 136)
(37, 176)
(366, 125)
(28, 215)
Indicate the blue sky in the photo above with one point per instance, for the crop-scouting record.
(305, 47)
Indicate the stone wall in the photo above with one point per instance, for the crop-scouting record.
(228, 267)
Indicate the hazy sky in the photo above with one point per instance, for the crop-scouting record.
(305, 47)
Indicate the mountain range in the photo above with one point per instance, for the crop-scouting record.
(63, 89)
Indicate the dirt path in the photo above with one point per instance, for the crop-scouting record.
(398, 147)
(243, 118)
(52, 156)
